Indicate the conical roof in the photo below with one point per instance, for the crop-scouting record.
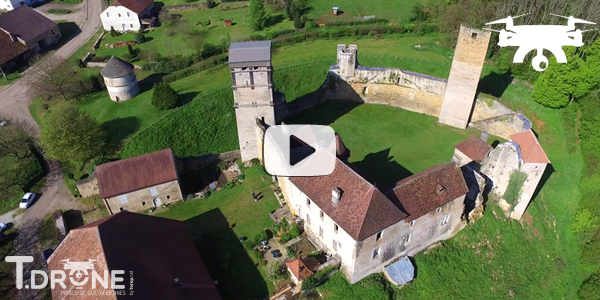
(116, 68)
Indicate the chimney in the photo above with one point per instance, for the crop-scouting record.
(484, 136)
(336, 195)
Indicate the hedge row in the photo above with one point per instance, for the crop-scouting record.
(196, 68)
(356, 22)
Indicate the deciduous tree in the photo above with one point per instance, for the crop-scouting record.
(51, 77)
(71, 135)
(17, 138)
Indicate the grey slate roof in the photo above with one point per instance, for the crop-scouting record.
(116, 68)
(401, 272)
(250, 53)
(25, 23)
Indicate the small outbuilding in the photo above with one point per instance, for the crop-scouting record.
(302, 268)
(335, 10)
(227, 23)
(120, 80)
(400, 272)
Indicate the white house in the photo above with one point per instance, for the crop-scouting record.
(12, 4)
(128, 15)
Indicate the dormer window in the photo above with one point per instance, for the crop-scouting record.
(440, 189)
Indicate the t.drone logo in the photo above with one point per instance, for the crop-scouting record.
(540, 37)
(79, 275)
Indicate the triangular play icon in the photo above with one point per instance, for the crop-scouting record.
(299, 150)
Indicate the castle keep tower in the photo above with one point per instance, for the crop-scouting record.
(252, 81)
(469, 57)
(347, 60)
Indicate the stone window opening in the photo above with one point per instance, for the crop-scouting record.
(322, 215)
(335, 245)
(407, 239)
(119, 15)
(143, 203)
(379, 234)
(307, 218)
(439, 209)
(375, 253)
(474, 35)
(320, 231)
(123, 199)
(445, 219)
(307, 202)
(412, 223)
(168, 197)
(108, 15)
(131, 25)
(336, 228)
(121, 209)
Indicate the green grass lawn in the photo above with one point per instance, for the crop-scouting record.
(383, 9)
(10, 78)
(234, 207)
(400, 143)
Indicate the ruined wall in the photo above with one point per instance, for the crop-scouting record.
(498, 165)
(467, 64)
(504, 125)
(534, 172)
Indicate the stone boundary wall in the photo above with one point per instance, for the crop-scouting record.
(97, 43)
(103, 64)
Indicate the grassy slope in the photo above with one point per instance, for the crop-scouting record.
(400, 144)
(385, 9)
(249, 217)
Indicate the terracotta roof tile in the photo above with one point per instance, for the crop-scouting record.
(531, 150)
(423, 192)
(299, 269)
(9, 49)
(474, 148)
(137, 6)
(131, 174)
(25, 23)
(362, 210)
(157, 250)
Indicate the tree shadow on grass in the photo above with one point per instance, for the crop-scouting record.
(495, 83)
(274, 20)
(225, 257)
(186, 98)
(118, 130)
(381, 169)
(148, 83)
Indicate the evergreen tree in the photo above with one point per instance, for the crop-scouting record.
(164, 96)
(258, 15)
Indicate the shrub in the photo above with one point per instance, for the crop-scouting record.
(249, 244)
(294, 230)
(311, 282)
(285, 237)
(164, 96)
(262, 236)
(206, 194)
(515, 183)
(299, 23)
(290, 252)
(98, 160)
(139, 38)
(113, 32)
(590, 289)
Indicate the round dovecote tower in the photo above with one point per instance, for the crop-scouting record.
(120, 80)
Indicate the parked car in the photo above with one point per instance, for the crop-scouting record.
(46, 254)
(2, 227)
(2, 123)
(27, 200)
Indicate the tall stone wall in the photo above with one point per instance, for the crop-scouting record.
(535, 172)
(467, 64)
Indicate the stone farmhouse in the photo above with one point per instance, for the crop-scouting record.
(30, 28)
(128, 15)
(348, 216)
(9, 5)
(159, 251)
(120, 80)
(140, 182)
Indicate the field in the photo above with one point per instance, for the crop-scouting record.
(400, 144)
(236, 208)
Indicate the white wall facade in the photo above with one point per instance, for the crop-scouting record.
(402, 238)
(121, 18)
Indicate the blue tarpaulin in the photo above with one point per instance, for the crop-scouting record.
(401, 272)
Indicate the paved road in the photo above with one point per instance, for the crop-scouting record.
(15, 100)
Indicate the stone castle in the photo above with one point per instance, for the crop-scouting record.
(350, 218)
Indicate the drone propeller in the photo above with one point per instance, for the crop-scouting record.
(571, 18)
(505, 20)
(589, 30)
(490, 29)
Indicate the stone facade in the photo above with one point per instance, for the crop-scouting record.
(534, 172)
(122, 88)
(498, 165)
(145, 198)
(467, 64)
(397, 240)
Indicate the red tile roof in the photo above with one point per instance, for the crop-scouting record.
(128, 175)
(531, 150)
(424, 192)
(157, 250)
(362, 210)
(299, 269)
(10, 50)
(474, 148)
(137, 6)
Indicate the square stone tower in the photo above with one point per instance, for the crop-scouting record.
(469, 57)
(347, 60)
(252, 81)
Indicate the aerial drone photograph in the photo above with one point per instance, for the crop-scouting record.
(299, 149)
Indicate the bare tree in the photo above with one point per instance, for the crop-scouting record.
(49, 76)
(17, 138)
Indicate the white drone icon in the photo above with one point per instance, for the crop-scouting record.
(540, 37)
(78, 267)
